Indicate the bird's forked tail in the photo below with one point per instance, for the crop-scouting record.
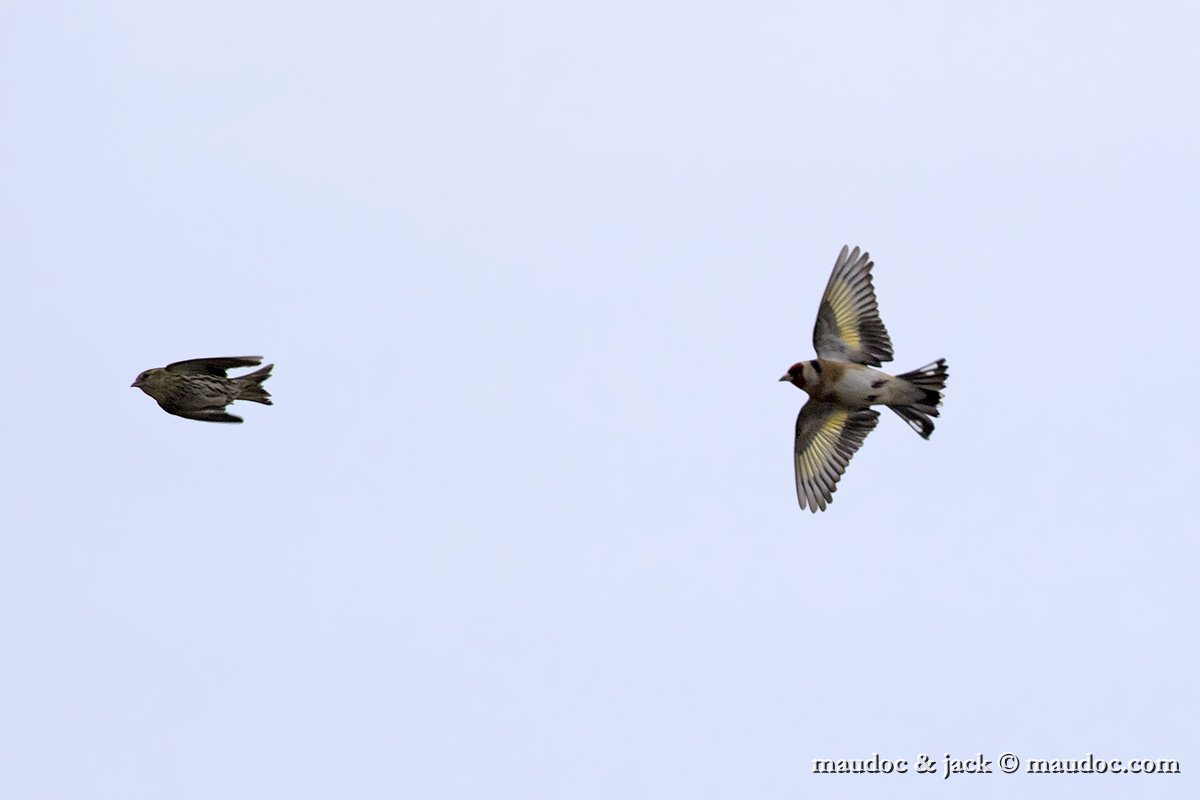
(250, 386)
(927, 383)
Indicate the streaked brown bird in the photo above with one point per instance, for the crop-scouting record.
(199, 388)
(850, 339)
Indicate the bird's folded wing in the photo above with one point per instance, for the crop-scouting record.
(848, 326)
(827, 435)
(206, 415)
(214, 366)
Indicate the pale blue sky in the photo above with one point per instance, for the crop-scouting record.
(521, 523)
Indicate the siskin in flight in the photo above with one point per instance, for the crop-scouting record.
(199, 388)
(849, 339)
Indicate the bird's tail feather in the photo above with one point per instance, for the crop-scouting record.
(250, 386)
(919, 422)
(929, 380)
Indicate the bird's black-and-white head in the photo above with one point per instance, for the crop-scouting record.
(802, 374)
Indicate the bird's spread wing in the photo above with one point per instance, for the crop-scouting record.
(848, 325)
(214, 366)
(827, 435)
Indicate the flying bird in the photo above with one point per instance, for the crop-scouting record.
(199, 388)
(850, 339)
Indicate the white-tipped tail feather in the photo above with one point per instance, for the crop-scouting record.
(927, 384)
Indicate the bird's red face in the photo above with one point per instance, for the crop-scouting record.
(795, 374)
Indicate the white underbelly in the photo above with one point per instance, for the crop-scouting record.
(864, 387)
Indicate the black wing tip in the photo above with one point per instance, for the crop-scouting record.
(854, 257)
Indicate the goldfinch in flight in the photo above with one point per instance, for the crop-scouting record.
(850, 339)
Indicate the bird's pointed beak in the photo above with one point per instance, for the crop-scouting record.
(133, 385)
(786, 378)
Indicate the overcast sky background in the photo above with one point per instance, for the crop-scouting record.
(522, 522)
